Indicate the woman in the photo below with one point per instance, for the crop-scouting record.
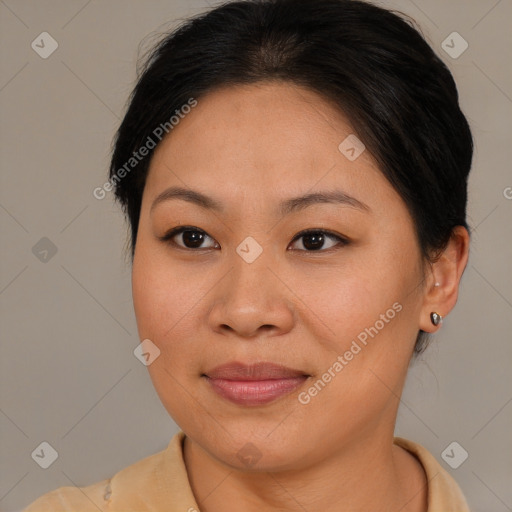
(294, 173)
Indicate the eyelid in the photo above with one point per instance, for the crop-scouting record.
(342, 240)
(167, 237)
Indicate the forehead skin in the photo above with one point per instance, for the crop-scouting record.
(259, 136)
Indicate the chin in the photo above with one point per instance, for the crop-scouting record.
(260, 447)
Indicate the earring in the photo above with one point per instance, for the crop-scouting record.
(436, 285)
(436, 318)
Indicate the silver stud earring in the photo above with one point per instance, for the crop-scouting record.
(436, 318)
(436, 285)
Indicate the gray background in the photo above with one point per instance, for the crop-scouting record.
(68, 373)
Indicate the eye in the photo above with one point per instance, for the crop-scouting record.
(191, 238)
(314, 240)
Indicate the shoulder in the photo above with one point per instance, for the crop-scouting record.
(77, 499)
(443, 491)
(127, 490)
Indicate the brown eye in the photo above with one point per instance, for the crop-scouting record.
(188, 237)
(315, 240)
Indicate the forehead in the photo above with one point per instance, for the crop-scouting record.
(263, 140)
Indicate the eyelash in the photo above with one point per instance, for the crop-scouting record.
(167, 238)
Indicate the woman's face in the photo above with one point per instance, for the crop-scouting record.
(341, 306)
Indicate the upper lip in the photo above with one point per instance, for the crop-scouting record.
(250, 372)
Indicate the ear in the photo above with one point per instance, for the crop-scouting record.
(442, 283)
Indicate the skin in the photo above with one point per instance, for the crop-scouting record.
(250, 147)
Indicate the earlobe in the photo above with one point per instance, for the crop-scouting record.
(436, 318)
(442, 285)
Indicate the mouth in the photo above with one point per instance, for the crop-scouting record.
(255, 384)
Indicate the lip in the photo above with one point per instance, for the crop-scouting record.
(254, 384)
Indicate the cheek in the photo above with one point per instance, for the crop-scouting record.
(162, 293)
(170, 298)
(368, 329)
(363, 311)
(369, 309)
(344, 300)
(164, 300)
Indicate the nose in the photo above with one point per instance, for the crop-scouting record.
(252, 301)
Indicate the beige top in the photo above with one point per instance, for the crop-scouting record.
(160, 483)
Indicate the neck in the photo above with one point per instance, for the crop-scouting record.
(372, 474)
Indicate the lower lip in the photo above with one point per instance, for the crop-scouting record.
(257, 392)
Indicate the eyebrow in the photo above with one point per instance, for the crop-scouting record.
(285, 208)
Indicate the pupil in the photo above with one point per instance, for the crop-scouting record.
(312, 241)
(316, 240)
(193, 238)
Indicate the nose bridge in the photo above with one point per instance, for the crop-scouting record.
(251, 282)
(251, 296)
